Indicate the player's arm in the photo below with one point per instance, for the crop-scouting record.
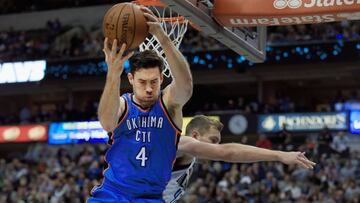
(181, 87)
(111, 105)
(239, 153)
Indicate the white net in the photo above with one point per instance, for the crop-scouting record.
(174, 25)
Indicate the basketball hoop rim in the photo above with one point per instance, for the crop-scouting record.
(157, 3)
(150, 3)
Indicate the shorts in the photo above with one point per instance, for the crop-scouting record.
(107, 193)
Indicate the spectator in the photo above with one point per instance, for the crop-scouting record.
(340, 144)
(294, 189)
(352, 190)
(25, 115)
(347, 171)
(264, 142)
(324, 141)
(283, 139)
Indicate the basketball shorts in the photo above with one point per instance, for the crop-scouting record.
(108, 193)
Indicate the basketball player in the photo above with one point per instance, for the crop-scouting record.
(145, 124)
(202, 141)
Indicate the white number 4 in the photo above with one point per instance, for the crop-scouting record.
(142, 156)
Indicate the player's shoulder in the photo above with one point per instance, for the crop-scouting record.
(125, 96)
(123, 106)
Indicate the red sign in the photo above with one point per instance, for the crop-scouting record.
(248, 13)
(23, 133)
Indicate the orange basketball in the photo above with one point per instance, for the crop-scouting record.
(126, 23)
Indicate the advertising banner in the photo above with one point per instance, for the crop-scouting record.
(76, 132)
(23, 133)
(27, 71)
(252, 13)
(303, 121)
(355, 122)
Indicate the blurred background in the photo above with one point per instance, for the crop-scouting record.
(306, 96)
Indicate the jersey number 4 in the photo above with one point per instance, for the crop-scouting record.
(142, 156)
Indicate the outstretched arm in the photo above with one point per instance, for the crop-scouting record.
(181, 87)
(239, 153)
(111, 106)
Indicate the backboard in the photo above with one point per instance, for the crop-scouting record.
(251, 43)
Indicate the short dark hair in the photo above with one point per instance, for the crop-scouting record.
(203, 124)
(146, 59)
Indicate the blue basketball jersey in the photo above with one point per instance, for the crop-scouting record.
(143, 150)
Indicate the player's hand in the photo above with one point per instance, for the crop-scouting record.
(153, 23)
(297, 158)
(114, 58)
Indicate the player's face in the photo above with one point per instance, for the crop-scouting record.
(211, 136)
(146, 85)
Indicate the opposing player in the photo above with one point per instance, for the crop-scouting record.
(202, 141)
(145, 125)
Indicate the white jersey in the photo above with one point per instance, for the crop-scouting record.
(176, 187)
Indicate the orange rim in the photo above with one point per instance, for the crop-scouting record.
(158, 3)
(180, 19)
(150, 3)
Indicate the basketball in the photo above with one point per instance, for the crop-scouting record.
(126, 23)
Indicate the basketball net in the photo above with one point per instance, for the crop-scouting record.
(173, 24)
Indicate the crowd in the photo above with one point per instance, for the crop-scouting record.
(51, 113)
(280, 103)
(240, 104)
(331, 181)
(87, 111)
(55, 41)
(18, 6)
(316, 33)
(334, 178)
(63, 42)
(67, 173)
(51, 174)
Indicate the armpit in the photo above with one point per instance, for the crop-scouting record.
(172, 110)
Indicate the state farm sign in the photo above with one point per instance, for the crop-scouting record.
(294, 4)
(236, 13)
